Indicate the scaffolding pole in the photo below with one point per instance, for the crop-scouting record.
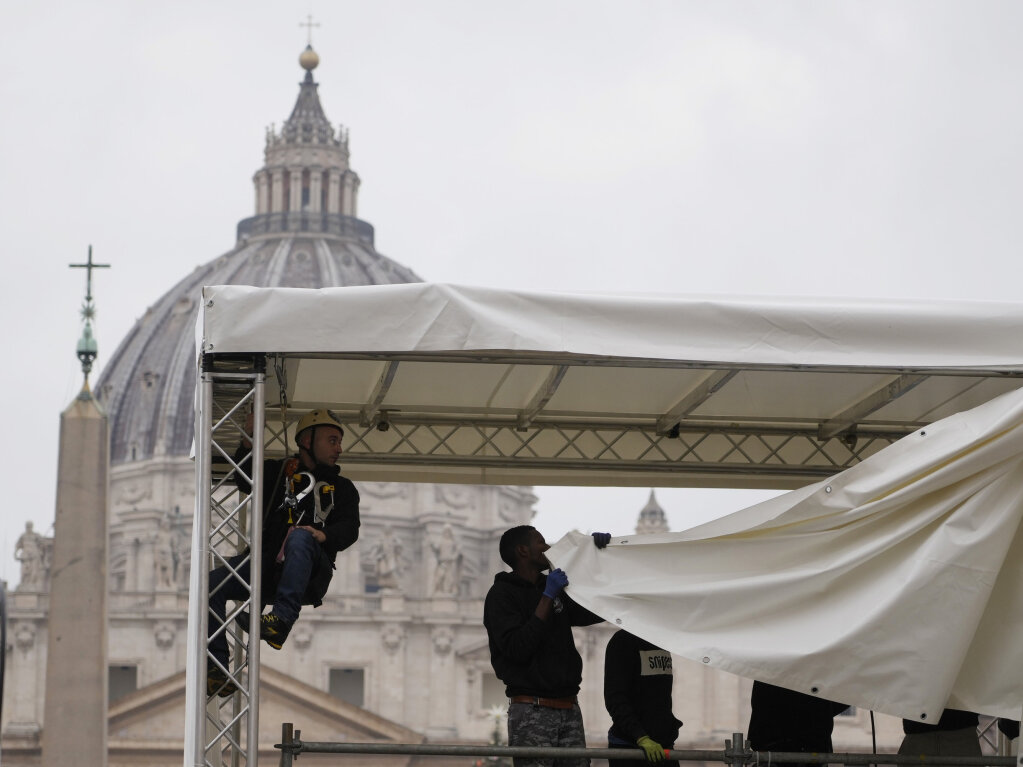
(736, 753)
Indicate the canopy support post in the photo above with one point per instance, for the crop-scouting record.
(222, 724)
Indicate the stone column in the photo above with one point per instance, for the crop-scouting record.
(350, 185)
(24, 683)
(75, 712)
(262, 193)
(442, 719)
(315, 188)
(277, 190)
(390, 683)
(333, 191)
(132, 581)
(295, 192)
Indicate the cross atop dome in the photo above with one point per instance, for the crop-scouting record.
(309, 24)
(308, 59)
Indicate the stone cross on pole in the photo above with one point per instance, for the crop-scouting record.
(87, 348)
(308, 24)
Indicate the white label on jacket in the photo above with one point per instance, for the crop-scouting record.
(653, 662)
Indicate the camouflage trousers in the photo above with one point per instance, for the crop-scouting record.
(530, 725)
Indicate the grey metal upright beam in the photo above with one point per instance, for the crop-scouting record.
(3, 640)
(228, 522)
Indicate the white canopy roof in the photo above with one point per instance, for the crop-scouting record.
(462, 384)
(895, 584)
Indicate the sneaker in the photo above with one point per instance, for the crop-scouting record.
(217, 682)
(274, 630)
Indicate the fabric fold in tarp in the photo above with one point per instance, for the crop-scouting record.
(895, 586)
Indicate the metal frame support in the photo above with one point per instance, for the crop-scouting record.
(857, 411)
(541, 397)
(787, 457)
(737, 753)
(3, 640)
(225, 730)
(286, 745)
(371, 410)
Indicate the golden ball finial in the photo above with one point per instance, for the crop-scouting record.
(309, 60)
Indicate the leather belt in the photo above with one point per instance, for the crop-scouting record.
(545, 702)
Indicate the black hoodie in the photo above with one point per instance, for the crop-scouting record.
(637, 690)
(338, 498)
(531, 656)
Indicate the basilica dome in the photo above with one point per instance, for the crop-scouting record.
(305, 233)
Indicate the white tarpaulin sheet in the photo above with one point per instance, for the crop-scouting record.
(896, 585)
(426, 317)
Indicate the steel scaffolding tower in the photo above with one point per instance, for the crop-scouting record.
(222, 726)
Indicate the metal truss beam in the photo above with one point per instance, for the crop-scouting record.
(542, 396)
(795, 455)
(712, 381)
(223, 731)
(372, 408)
(877, 399)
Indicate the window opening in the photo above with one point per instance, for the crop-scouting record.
(122, 680)
(348, 684)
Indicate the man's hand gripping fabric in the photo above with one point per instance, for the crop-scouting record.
(556, 582)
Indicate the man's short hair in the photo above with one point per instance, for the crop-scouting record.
(516, 536)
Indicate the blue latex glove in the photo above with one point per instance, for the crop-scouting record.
(556, 581)
(601, 540)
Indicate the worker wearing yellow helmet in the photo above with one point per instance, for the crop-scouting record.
(310, 513)
(320, 445)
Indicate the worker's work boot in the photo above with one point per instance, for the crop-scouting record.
(217, 682)
(273, 630)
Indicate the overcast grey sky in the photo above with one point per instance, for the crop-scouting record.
(803, 148)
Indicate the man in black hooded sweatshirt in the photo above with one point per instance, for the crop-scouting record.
(529, 622)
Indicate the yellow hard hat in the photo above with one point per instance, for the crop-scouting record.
(319, 417)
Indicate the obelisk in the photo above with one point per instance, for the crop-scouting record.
(75, 712)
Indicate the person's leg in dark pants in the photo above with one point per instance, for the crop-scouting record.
(530, 725)
(301, 551)
(224, 586)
